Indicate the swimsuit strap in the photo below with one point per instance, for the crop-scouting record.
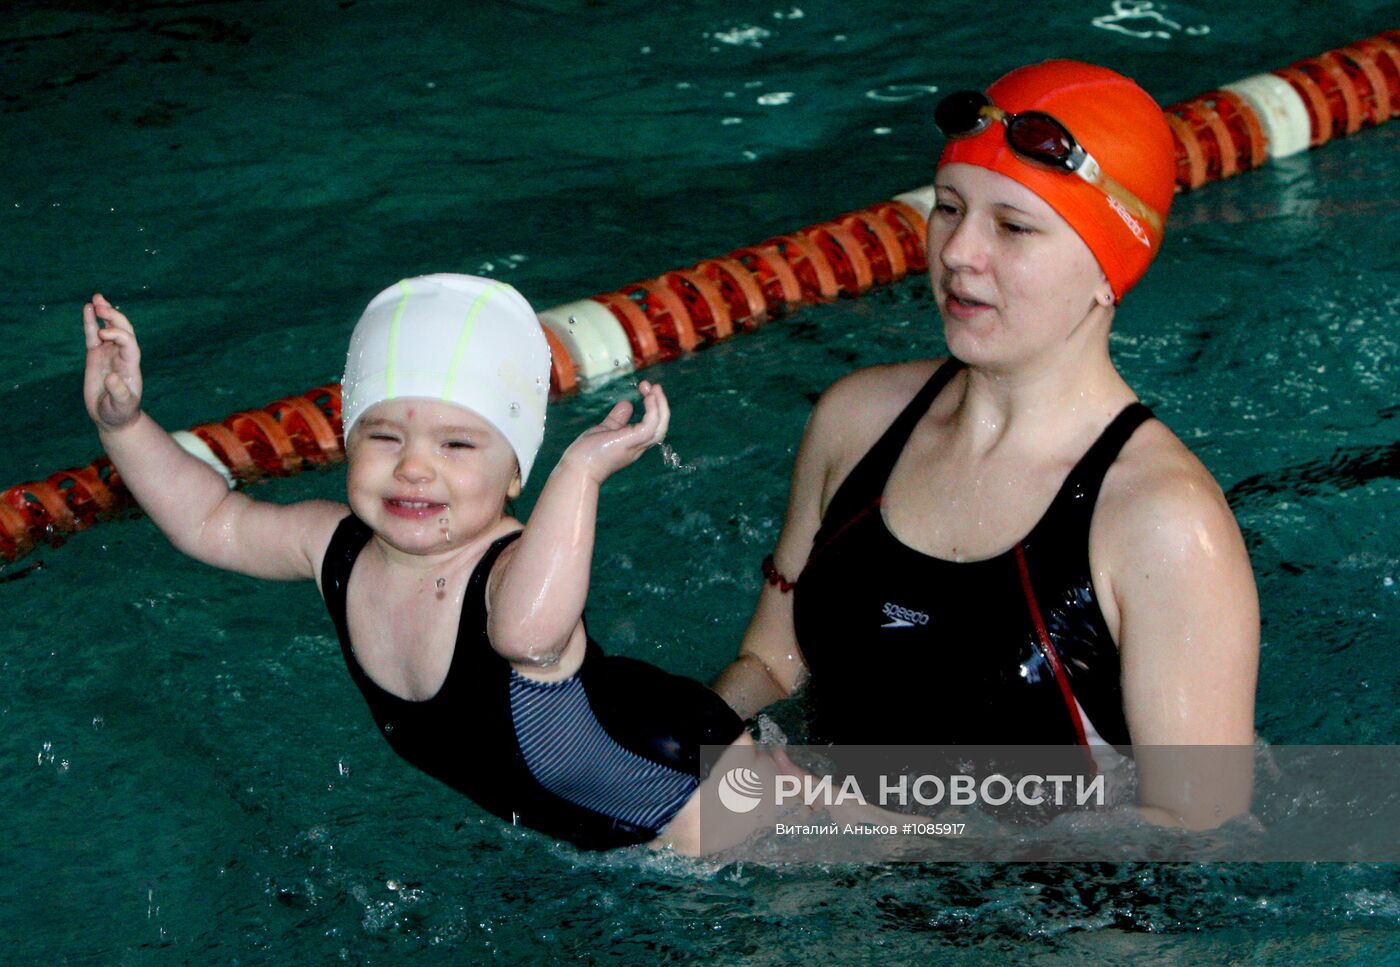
(862, 488)
(1061, 537)
(1080, 491)
(472, 623)
(350, 537)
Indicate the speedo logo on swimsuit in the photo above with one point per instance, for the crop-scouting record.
(1128, 220)
(901, 617)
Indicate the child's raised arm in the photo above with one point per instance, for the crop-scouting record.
(541, 584)
(188, 500)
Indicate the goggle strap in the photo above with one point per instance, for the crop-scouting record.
(1119, 191)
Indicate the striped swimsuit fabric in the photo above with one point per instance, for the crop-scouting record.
(557, 731)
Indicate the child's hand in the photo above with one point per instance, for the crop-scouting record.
(613, 444)
(112, 378)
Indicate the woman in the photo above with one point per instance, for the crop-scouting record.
(1004, 547)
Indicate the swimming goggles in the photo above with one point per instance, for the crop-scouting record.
(1038, 138)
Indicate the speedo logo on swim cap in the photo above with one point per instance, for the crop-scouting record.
(901, 617)
(740, 790)
(1129, 220)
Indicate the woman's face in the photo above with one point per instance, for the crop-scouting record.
(1012, 280)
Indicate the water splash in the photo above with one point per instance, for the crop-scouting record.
(745, 36)
(672, 459)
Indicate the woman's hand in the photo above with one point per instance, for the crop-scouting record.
(112, 376)
(613, 444)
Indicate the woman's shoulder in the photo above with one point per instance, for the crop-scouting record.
(1159, 494)
(856, 409)
(873, 396)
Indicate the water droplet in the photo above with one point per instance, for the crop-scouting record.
(62, 765)
(514, 409)
(442, 521)
(392, 884)
(441, 583)
(97, 723)
(342, 768)
(388, 728)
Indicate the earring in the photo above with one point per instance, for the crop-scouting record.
(1104, 298)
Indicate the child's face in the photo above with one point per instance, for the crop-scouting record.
(428, 476)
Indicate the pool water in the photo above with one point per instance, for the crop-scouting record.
(186, 773)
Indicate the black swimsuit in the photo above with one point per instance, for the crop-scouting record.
(904, 647)
(604, 758)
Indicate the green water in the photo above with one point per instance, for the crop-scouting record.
(186, 773)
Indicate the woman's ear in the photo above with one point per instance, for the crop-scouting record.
(515, 486)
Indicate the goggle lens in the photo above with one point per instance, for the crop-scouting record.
(959, 115)
(1040, 137)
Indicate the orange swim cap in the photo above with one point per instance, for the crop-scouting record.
(1115, 121)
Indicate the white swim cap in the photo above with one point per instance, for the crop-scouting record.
(460, 339)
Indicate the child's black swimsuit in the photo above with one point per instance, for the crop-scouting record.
(605, 758)
(903, 647)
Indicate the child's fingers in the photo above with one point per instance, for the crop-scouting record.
(128, 350)
(657, 402)
(658, 411)
(618, 416)
(121, 337)
(90, 327)
(110, 314)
